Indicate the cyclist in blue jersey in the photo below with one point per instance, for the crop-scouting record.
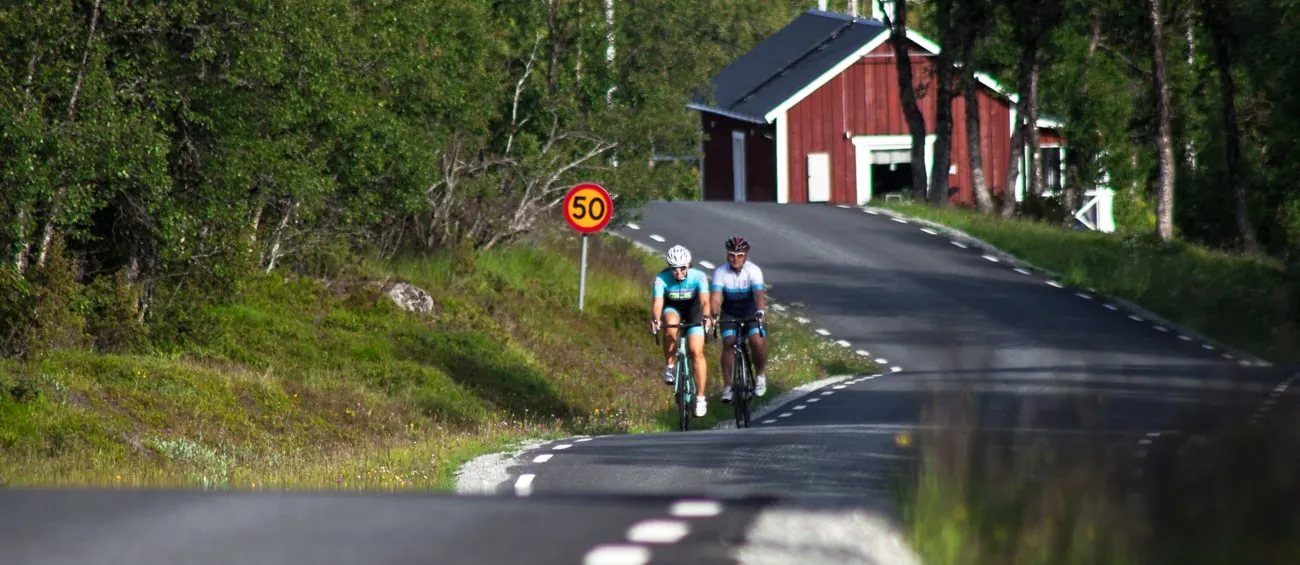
(681, 295)
(739, 293)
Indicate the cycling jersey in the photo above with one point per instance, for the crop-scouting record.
(738, 288)
(683, 296)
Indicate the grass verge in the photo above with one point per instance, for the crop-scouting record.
(324, 383)
(1246, 302)
(981, 496)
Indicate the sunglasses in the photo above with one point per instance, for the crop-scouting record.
(736, 253)
(678, 269)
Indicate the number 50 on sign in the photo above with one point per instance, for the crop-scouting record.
(587, 208)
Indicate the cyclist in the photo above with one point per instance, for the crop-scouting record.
(738, 293)
(681, 295)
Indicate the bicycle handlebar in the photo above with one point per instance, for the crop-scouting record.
(677, 325)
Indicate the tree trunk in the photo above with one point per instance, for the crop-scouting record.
(907, 95)
(1028, 54)
(975, 153)
(1030, 95)
(1217, 20)
(47, 233)
(1164, 139)
(943, 104)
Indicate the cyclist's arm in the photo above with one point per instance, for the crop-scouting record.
(706, 305)
(715, 298)
(657, 306)
(760, 291)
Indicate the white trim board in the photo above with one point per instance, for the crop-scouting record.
(864, 145)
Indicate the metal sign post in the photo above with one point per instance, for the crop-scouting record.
(588, 208)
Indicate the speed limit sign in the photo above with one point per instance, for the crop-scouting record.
(588, 207)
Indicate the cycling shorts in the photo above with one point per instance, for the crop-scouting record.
(729, 325)
(694, 315)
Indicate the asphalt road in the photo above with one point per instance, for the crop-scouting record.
(809, 483)
(1043, 365)
(111, 527)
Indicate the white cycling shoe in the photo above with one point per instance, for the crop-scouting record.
(701, 407)
(760, 385)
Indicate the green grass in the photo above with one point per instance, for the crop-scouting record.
(1246, 302)
(324, 383)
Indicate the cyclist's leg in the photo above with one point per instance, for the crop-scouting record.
(758, 353)
(729, 336)
(699, 365)
(670, 316)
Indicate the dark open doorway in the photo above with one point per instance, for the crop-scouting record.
(889, 179)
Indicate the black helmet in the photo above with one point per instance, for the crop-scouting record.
(737, 244)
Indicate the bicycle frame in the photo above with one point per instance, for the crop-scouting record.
(684, 380)
(742, 370)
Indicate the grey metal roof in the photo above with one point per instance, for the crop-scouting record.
(777, 67)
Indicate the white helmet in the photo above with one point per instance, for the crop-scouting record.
(678, 256)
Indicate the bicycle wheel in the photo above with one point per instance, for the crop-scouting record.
(686, 385)
(740, 389)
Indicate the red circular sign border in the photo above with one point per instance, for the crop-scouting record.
(609, 214)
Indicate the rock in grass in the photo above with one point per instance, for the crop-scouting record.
(411, 298)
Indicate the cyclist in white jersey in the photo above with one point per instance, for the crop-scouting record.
(738, 293)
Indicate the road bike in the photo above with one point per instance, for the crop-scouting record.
(684, 381)
(742, 367)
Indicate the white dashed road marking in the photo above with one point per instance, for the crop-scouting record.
(634, 226)
(827, 392)
(1207, 347)
(990, 258)
(899, 220)
(1184, 338)
(839, 387)
(1055, 284)
(543, 458)
(1083, 296)
(695, 508)
(785, 415)
(778, 307)
(823, 331)
(582, 440)
(863, 352)
(1112, 307)
(563, 446)
(706, 264)
(843, 343)
(658, 531)
(656, 237)
(1022, 271)
(1161, 328)
(617, 555)
(881, 360)
(524, 484)
(812, 400)
(769, 421)
(801, 407)
(895, 369)
(1134, 318)
(929, 231)
(802, 320)
(958, 244)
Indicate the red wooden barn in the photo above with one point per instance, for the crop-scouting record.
(812, 114)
